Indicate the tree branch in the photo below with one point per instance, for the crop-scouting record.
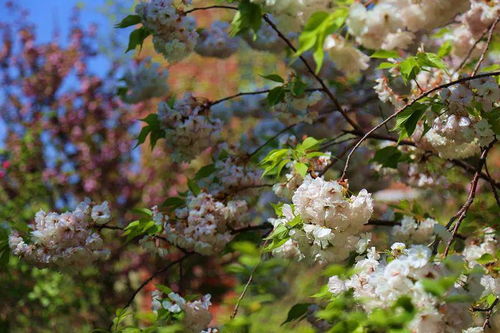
(394, 115)
(460, 215)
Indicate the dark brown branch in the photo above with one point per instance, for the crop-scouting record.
(327, 90)
(209, 7)
(286, 129)
(155, 274)
(259, 92)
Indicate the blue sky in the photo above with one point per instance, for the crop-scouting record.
(47, 15)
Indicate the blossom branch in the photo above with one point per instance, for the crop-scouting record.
(394, 115)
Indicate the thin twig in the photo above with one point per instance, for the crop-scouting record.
(274, 137)
(155, 274)
(488, 42)
(243, 293)
(313, 73)
(492, 183)
(209, 7)
(469, 53)
(460, 215)
(250, 93)
(489, 313)
(394, 115)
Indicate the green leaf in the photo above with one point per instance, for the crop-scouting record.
(486, 259)
(406, 121)
(137, 38)
(445, 49)
(409, 68)
(248, 17)
(173, 202)
(388, 157)
(128, 21)
(318, 27)
(297, 312)
(274, 77)
(298, 88)
(384, 54)
(310, 143)
(275, 96)
(493, 118)
(205, 171)
(153, 128)
(301, 168)
(193, 187)
(386, 65)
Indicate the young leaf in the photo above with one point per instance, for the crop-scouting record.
(384, 54)
(137, 38)
(128, 21)
(274, 77)
(248, 17)
(275, 96)
(297, 312)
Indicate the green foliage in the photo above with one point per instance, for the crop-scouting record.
(296, 87)
(297, 312)
(344, 315)
(248, 18)
(153, 129)
(276, 160)
(406, 121)
(128, 21)
(137, 38)
(411, 66)
(4, 245)
(384, 54)
(389, 157)
(318, 27)
(493, 118)
(143, 226)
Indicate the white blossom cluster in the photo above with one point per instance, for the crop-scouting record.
(293, 179)
(475, 247)
(64, 240)
(411, 231)
(188, 128)
(233, 176)
(216, 42)
(205, 224)
(471, 26)
(197, 316)
(145, 81)
(298, 10)
(392, 24)
(332, 222)
(386, 93)
(455, 133)
(346, 57)
(419, 176)
(379, 282)
(174, 34)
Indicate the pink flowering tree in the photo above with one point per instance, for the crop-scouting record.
(350, 187)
